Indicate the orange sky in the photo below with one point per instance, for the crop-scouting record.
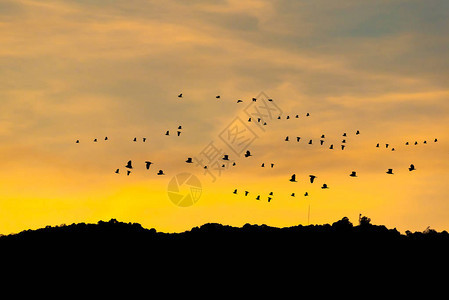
(88, 69)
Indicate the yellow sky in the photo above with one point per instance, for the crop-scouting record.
(88, 69)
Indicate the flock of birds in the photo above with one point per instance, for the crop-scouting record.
(189, 160)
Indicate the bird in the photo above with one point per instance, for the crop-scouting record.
(293, 195)
(263, 165)
(310, 142)
(357, 132)
(135, 139)
(77, 141)
(272, 165)
(247, 154)
(179, 127)
(343, 141)
(344, 134)
(235, 191)
(298, 138)
(331, 146)
(271, 194)
(148, 164)
(297, 116)
(178, 132)
(342, 147)
(377, 145)
(412, 167)
(293, 178)
(249, 120)
(259, 119)
(324, 186)
(386, 145)
(218, 96)
(322, 136)
(189, 160)
(254, 99)
(144, 139)
(246, 193)
(180, 95)
(269, 199)
(286, 138)
(233, 164)
(271, 100)
(390, 171)
(258, 197)
(167, 132)
(279, 117)
(160, 172)
(288, 117)
(425, 142)
(435, 140)
(95, 140)
(129, 165)
(406, 143)
(392, 149)
(225, 157)
(416, 143)
(105, 138)
(321, 142)
(117, 171)
(353, 174)
(128, 172)
(312, 178)
(239, 101)
(306, 194)
(308, 114)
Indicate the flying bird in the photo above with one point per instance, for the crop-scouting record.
(254, 99)
(342, 147)
(128, 172)
(160, 172)
(293, 178)
(322, 136)
(258, 197)
(416, 143)
(129, 165)
(218, 96)
(357, 132)
(435, 140)
(235, 191)
(135, 139)
(298, 138)
(297, 116)
(117, 171)
(148, 164)
(180, 95)
(95, 140)
(288, 117)
(310, 142)
(377, 145)
(406, 143)
(239, 101)
(247, 154)
(312, 178)
(343, 141)
(390, 171)
(344, 134)
(246, 193)
(77, 141)
(167, 133)
(324, 186)
(144, 139)
(353, 174)
(307, 115)
(271, 194)
(272, 165)
(321, 142)
(225, 157)
(189, 160)
(106, 138)
(306, 194)
(263, 165)
(286, 138)
(178, 132)
(331, 146)
(293, 195)
(179, 127)
(269, 199)
(412, 167)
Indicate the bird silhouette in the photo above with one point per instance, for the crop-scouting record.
(406, 143)
(298, 138)
(392, 149)
(246, 193)
(270, 100)
(331, 146)
(95, 140)
(425, 142)
(269, 199)
(167, 132)
(272, 165)
(306, 194)
(263, 165)
(189, 160)
(105, 138)
(322, 136)
(178, 132)
(342, 147)
(148, 164)
(293, 195)
(279, 117)
(160, 172)
(416, 143)
(225, 157)
(117, 171)
(258, 197)
(310, 142)
(128, 172)
(144, 139)
(179, 127)
(218, 96)
(235, 191)
(324, 186)
(435, 140)
(180, 95)
(254, 99)
(357, 132)
(312, 178)
(343, 141)
(412, 167)
(288, 117)
(293, 178)
(77, 141)
(233, 164)
(297, 116)
(377, 145)
(247, 154)
(129, 165)
(271, 194)
(286, 138)
(135, 139)
(353, 174)
(321, 142)
(344, 134)
(390, 171)
(239, 101)
(249, 120)
(307, 114)
(386, 145)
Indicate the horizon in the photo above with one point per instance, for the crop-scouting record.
(81, 70)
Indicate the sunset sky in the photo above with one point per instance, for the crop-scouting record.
(86, 69)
